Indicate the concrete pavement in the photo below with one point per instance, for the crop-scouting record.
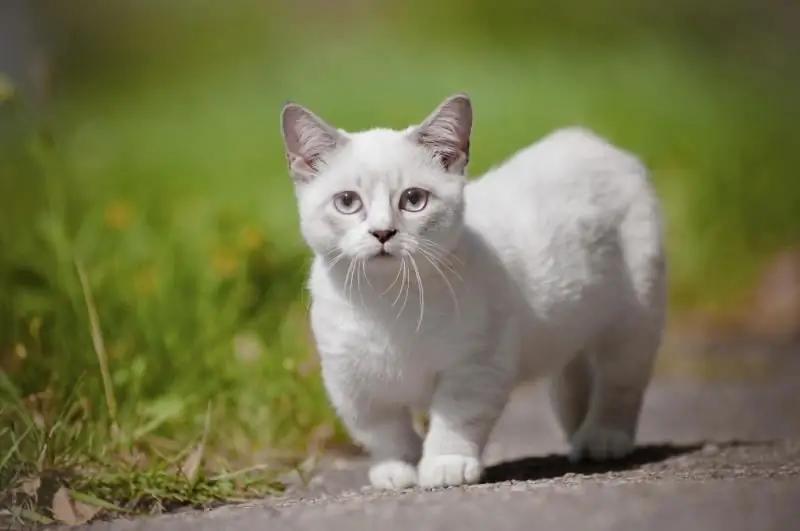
(721, 452)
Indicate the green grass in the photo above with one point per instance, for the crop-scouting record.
(164, 208)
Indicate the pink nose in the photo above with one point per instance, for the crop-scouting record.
(383, 236)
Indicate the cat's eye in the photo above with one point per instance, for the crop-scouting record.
(347, 202)
(414, 199)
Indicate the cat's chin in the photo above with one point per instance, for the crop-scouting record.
(383, 261)
(382, 257)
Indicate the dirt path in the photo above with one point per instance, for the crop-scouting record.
(722, 453)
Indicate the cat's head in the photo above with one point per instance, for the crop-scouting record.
(380, 194)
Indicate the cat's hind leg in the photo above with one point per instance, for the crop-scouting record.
(620, 370)
(570, 392)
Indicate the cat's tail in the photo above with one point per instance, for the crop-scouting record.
(642, 241)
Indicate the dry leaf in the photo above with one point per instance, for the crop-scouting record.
(31, 487)
(69, 511)
(85, 511)
(62, 508)
(191, 466)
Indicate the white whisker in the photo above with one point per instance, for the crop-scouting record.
(421, 292)
(348, 280)
(396, 277)
(432, 259)
(335, 260)
(441, 249)
(442, 258)
(402, 280)
(407, 282)
(366, 277)
(362, 272)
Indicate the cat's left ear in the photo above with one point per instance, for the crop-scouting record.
(307, 140)
(446, 133)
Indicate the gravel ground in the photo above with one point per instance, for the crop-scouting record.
(717, 453)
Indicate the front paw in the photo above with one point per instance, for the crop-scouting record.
(449, 470)
(393, 475)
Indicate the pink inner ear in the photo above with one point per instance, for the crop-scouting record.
(309, 161)
(452, 156)
(302, 170)
(447, 158)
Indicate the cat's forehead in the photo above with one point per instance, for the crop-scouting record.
(381, 149)
(376, 157)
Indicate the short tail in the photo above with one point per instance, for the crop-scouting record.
(642, 239)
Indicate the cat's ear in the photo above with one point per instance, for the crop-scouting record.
(307, 139)
(446, 132)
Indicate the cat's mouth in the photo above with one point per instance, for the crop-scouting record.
(382, 256)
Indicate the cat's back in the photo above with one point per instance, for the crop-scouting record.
(571, 182)
(571, 165)
(562, 214)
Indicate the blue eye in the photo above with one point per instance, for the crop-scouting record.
(414, 199)
(347, 202)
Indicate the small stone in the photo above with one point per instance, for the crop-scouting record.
(710, 449)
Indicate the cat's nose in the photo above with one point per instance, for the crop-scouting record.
(383, 236)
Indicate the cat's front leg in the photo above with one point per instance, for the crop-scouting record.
(393, 444)
(385, 430)
(466, 405)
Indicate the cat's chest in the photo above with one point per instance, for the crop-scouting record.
(396, 371)
(398, 345)
(396, 359)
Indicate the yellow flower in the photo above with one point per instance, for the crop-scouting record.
(146, 280)
(251, 237)
(225, 263)
(119, 215)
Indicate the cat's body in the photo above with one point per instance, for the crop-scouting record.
(550, 264)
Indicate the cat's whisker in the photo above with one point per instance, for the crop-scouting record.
(396, 277)
(334, 254)
(446, 265)
(444, 251)
(402, 272)
(362, 272)
(421, 292)
(366, 276)
(335, 260)
(348, 280)
(441, 259)
(439, 250)
(432, 259)
(407, 282)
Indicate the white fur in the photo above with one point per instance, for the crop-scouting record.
(550, 264)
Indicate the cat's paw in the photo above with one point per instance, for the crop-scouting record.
(393, 475)
(599, 443)
(449, 470)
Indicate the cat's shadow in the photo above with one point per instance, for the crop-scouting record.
(554, 466)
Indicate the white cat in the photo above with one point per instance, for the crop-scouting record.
(429, 293)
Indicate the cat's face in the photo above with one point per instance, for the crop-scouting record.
(380, 195)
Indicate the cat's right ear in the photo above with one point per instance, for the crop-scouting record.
(307, 139)
(446, 132)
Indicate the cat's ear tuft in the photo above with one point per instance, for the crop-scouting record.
(446, 132)
(307, 139)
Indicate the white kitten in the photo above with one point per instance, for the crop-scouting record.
(431, 293)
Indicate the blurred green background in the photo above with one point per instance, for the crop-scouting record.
(141, 153)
